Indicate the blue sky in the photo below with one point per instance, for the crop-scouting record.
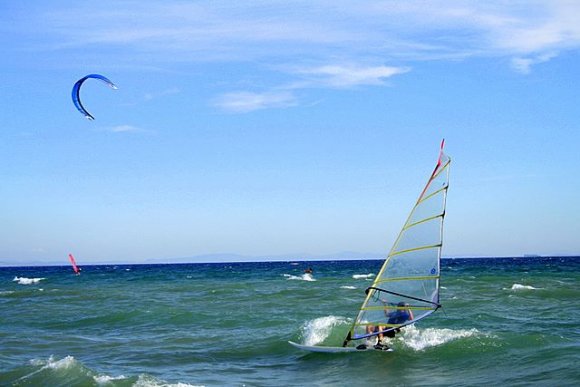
(299, 129)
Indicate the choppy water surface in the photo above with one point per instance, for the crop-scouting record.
(509, 321)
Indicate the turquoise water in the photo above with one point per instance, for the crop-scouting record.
(505, 321)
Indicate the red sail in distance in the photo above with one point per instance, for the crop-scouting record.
(74, 264)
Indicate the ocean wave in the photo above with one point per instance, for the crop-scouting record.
(521, 287)
(65, 364)
(421, 339)
(316, 331)
(106, 379)
(303, 277)
(27, 281)
(348, 287)
(363, 276)
(69, 371)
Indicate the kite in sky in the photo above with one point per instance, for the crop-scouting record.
(77, 88)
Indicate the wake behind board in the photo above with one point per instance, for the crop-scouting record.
(315, 348)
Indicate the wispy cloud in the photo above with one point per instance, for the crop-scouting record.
(341, 76)
(124, 129)
(244, 102)
(524, 65)
(321, 31)
(163, 93)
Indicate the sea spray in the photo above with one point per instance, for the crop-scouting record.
(320, 329)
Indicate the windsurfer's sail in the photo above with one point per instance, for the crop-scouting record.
(406, 289)
(74, 264)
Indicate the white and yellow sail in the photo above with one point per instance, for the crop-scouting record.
(406, 288)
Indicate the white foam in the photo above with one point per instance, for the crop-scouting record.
(150, 381)
(105, 379)
(348, 287)
(521, 287)
(6, 292)
(27, 281)
(317, 330)
(303, 277)
(421, 339)
(363, 276)
(61, 364)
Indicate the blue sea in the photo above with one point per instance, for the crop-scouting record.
(505, 321)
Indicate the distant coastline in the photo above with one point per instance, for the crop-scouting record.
(234, 258)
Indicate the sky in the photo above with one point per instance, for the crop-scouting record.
(285, 129)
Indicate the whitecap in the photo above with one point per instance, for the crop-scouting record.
(105, 379)
(521, 287)
(303, 277)
(150, 381)
(363, 276)
(27, 281)
(421, 339)
(6, 292)
(348, 287)
(62, 364)
(317, 330)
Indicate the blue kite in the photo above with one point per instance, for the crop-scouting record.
(77, 88)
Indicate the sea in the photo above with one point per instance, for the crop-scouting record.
(504, 321)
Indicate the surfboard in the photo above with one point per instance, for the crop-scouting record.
(315, 348)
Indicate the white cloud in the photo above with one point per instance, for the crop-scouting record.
(523, 65)
(320, 31)
(124, 129)
(350, 75)
(244, 102)
(163, 93)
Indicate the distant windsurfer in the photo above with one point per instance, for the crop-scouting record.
(73, 262)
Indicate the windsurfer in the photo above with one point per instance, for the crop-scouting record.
(399, 316)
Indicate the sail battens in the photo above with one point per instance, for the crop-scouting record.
(414, 249)
(389, 279)
(378, 323)
(432, 194)
(408, 226)
(410, 307)
(409, 277)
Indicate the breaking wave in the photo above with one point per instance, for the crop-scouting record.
(27, 281)
(363, 276)
(521, 287)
